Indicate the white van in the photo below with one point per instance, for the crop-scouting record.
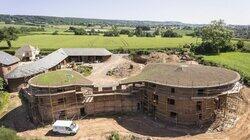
(65, 127)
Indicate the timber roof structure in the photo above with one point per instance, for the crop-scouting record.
(7, 59)
(54, 59)
(185, 76)
(59, 78)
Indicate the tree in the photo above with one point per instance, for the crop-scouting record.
(216, 35)
(55, 33)
(124, 32)
(113, 32)
(141, 31)
(240, 44)
(93, 32)
(157, 31)
(80, 31)
(170, 33)
(8, 35)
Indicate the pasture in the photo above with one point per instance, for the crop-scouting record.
(235, 60)
(74, 41)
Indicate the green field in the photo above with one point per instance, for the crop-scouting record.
(234, 60)
(73, 41)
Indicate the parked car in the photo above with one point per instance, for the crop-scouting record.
(65, 127)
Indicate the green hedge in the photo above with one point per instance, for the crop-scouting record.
(8, 134)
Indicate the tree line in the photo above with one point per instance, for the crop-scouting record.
(139, 31)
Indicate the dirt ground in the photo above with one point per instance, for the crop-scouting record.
(98, 75)
(136, 125)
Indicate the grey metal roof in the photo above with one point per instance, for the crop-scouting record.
(54, 59)
(8, 59)
(38, 66)
(86, 51)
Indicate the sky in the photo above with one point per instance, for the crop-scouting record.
(187, 11)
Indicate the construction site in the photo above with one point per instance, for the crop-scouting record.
(164, 98)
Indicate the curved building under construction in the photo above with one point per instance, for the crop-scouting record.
(184, 94)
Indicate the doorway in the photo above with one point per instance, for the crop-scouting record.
(82, 111)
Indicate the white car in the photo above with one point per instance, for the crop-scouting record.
(65, 127)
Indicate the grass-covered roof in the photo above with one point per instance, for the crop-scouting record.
(60, 78)
(187, 76)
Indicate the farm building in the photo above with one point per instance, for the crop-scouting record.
(183, 94)
(27, 53)
(66, 94)
(56, 60)
(7, 63)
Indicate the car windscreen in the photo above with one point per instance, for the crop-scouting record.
(73, 125)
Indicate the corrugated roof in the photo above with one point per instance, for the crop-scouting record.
(8, 59)
(54, 59)
(86, 51)
(186, 76)
(38, 66)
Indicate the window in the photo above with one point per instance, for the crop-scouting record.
(198, 105)
(200, 91)
(152, 85)
(41, 100)
(200, 116)
(171, 101)
(173, 114)
(62, 114)
(172, 90)
(155, 98)
(61, 100)
(59, 90)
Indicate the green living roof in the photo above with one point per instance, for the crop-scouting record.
(59, 78)
(186, 76)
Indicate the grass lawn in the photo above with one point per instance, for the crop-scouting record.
(59, 78)
(73, 41)
(234, 60)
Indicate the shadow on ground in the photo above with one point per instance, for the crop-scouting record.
(52, 134)
(145, 125)
(17, 119)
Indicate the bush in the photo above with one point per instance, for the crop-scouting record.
(80, 31)
(114, 136)
(2, 84)
(84, 70)
(111, 34)
(4, 99)
(55, 33)
(209, 48)
(170, 33)
(8, 134)
(125, 32)
(240, 44)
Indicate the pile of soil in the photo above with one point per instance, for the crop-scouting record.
(159, 57)
(124, 70)
(227, 118)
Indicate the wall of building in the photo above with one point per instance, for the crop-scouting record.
(16, 84)
(178, 105)
(111, 104)
(7, 69)
(51, 104)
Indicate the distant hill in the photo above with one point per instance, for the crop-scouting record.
(24, 19)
